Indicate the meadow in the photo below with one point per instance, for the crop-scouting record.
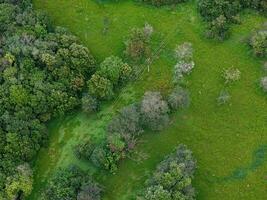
(228, 141)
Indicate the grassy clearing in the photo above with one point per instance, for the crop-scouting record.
(228, 141)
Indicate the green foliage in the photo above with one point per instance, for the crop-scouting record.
(71, 183)
(84, 149)
(42, 73)
(19, 185)
(163, 2)
(258, 42)
(114, 69)
(172, 178)
(138, 45)
(221, 13)
(89, 104)
(100, 87)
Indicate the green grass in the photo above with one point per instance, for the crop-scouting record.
(229, 142)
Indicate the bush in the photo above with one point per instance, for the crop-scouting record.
(264, 83)
(231, 75)
(163, 2)
(258, 42)
(127, 122)
(154, 111)
(184, 52)
(137, 45)
(84, 149)
(223, 98)
(100, 87)
(89, 104)
(172, 178)
(179, 98)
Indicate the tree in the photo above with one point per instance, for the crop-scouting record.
(111, 69)
(154, 111)
(100, 87)
(19, 185)
(90, 191)
(172, 178)
(137, 45)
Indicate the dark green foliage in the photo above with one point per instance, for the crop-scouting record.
(154, 111)
(42, 74)
(89, 103)
(163, 2)
(172, 180)
(71, 183)
(84, 149)
(221, 13)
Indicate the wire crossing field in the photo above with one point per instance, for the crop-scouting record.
(228, 141)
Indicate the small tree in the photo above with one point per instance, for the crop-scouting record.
(154, 111)
(184, 52)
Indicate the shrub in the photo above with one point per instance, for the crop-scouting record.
(154, 111)
(264, 83)
(115, 142)
(184, 52)
(137, 45)
(100, 87)
(127, 122)
(223, 98)
(84, 149)
(173, 177)
(231, 75)
(89, 104)
(182, 68)
(163, 2)
(258, 43)
(179, 98)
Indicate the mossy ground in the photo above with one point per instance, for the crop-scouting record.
(229, 141)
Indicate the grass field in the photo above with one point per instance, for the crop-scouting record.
(229, 142)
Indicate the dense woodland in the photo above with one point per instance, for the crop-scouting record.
(45, 72)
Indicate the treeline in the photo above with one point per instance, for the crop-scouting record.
(43, 71)
(221, 13)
